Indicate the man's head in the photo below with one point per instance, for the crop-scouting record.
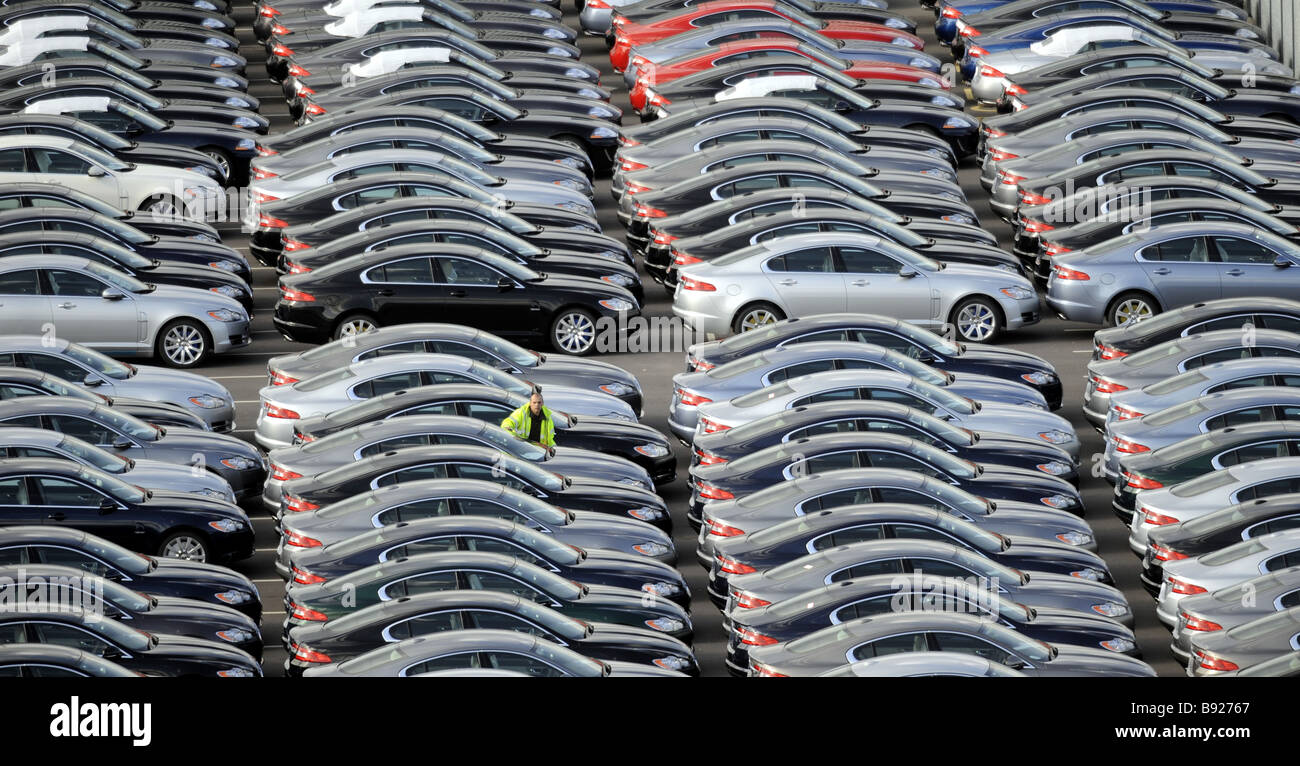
(535, 403)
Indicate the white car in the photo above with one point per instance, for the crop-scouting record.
(280, 406)
(161, 190)
(1225, 567)
(833, 272)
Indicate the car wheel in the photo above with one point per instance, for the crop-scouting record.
(356, 324)
(574, 332)
(1131, 308)
(977, 320)
(755, 316)
(221, 158)
(576, 143)
(183, 343)
(186, 545)
(162, 206)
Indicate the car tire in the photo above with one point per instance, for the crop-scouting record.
(977, 320)
(1131, 307)
(573, 331)
(754, 316)
(183, 344)
(224, 163)
(353, 325)
(186, 545)
(575, 142)
(162, 206)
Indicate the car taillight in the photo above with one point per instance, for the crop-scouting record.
(751, 637)
(1164, 553)
(731, 566)
(280, 473)
(313, 108)
(303, 577)
(1130, 447)
(626, 141)
(1051, 248)
(280, 49)
(273, 411)
(1009, 179)
(634, 188)
(268, 12)
(303, 613)
(628, 166)
(290, 294)
(304, 653)
(1184, 588)
(1137, 481)
(298, 505)
(1069, 275)
(297, 268)
(645, 211)
(280, 379)
(698, 285)
(711, 426)
(690, 398)
(1110, 352)
(1124, 413)
(684, 259)
(998, 155)
(299, 540)
(992, 132)
(259, 174)
(950, 13)
(718, 529)
(1210, 662)
(708, 458)
(662, 238)
(263, 151)
(1036, 227)
(763, 671)
(1196, 623)
(710, 492)
(990, 71)
(1015, 90)
(1155, 519)
(600, 4)
(260, 197)
(1030, 198)
(969, 31)
(289, 244)
(748, 600)
(303, 438)
(298, 71)
(657, 99)
(280, 30)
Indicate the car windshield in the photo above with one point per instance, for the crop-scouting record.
(119, 634)
(546, 546)
(58, 387)
(910, 366)
(754, 398)
(98, 362)
(958, 499)
(516, 355)
(317, 382)
(92, 455)
(942, 429)
(119, 594)
(533, 508)
(1176, 383)
(1187, 448)
(551, 584)
(1204, 483)
(116, 278)
(102, 158)
(508, 442)
(1175, 413)
(1154, 354)
(742, 365)
(538, 477)
(114, 486)
(819, 640)
(945, 398)
(127, 424)
(927, 339)
(500, 379)
(1233, 553)
(1015, 641)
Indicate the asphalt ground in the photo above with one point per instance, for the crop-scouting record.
(1067, 345)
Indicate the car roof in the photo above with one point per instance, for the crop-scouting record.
(62, 405)
(29, 535)
(476, 640)
(15, 262)
(381, 364)
(20, 436)
(403, 492)
(411, 423)
(23, 466)
(819, 381)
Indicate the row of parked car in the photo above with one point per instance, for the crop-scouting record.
(1198, 408)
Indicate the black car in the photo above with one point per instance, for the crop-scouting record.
(809, 455)
(175, 578)
(71, 69)
(433, 119)
(887, 594)
(689, 250)
(170, 524)
(863, 416)
(198, 71)
(307, 36)
(464, 237)
(115, 601)
(642, 12)
(218, 115)
(1214, 531)
(637, 442)
(486, 534)
(128, 47)
(148, 654)
(597, 136)
(43, 379)
(468, 462)
(34, 194)
(275, 216)
(1004, 15)
(125, 149)
(212, 14)
(213, 29)
(1199, 455)
(54, 661)
(306, 236)
(146, 269)
(1205, 316)
(36, 223)
(467, 570)
(894, 334)
(296, 13)
(411, 616)
(460, 284)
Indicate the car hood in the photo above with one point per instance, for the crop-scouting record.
(162, 384)
(180, 569)
(984, 388)
(1072, 587)
(190, 502)
(1003, 357)
(207, 441)
(155, 474)
(569, 461)
(201, 649)
(576, 372)
(1082, 660)
(608, 490)
(173, 608)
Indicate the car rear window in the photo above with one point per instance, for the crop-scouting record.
(1209, 481)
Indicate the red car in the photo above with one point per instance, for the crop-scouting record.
(727, 53)
(629, 34)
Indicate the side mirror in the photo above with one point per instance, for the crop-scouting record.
(505, 283)
(1282, 262)
(121, 443)
(106, 507)
(907, 273)
(925, 357)
(111, 294)
(96, 172)
(92, 380)
(841, 106)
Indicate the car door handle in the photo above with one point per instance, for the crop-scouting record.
(1161, 271)
(57, 516)
(457, 293)
(859, 283)
(384, 292)
(67, 305)
(1234, 272)
(788, 282)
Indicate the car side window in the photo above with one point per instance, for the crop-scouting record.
(1222, 355)
(967, 644)
(70, 636)
(14, 554)
(25, 282)
(13, 491)
(405, 271)
(416, 473)
(427, 582)
(857, 260)
(898, 397)
(81, 428)
(839, 394)
(901, 495)
(410, 347)
(744, 135)
(1239, 417)
(485, 411)
(1184, 250)
(1284, 561)
(424, 624)
(391, 444)
(503, 584)
(1268, 489)
(459, 271)
(11, 391)
(795, 370)
(57, 162)
(53, 365)
(882, 459)
(66, 494)
(838, 499)
(1289, 600)
(1279, 322)
(494, 475)
(365, 196)
(883, 647)
(858, 534)
(488, 620)
(13, 161)
(74, 284)
(830, 462)
(1238, 250)
(867, 569)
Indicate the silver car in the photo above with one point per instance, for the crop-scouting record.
(150, 474)
(198, 394)
(429, 498)
(690, 389)
(320, 394)
(358, 443)
(846, 562)
(1234, 605)
(87, 302)
(1140, 274)
(857, 486)
(1173, 357)
(1245, 646)
(1199, 416)
(895, 387)
(842, 271)
(1221, 376)
(1225, 567)
(924, 665)
(416, 160)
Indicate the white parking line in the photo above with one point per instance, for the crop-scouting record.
(263, 550)
(266, 612)
(238, 377)
(269, 579)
